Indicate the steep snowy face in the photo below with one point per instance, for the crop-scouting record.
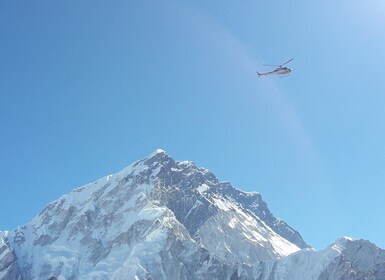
(223, 219)
(156, 218)
(8, 265)
(195, 194)
(75, 234)
(254, 204)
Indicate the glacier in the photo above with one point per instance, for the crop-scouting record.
(164, 219)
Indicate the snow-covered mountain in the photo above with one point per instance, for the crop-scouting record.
(166, 219)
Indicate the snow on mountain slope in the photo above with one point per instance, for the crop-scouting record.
(125, 224)
(8, 265)
(165, 219)
(213, 213)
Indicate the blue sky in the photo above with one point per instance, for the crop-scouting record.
(88, 87)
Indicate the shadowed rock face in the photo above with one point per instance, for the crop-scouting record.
(177, 190)
(178, 184)
(166, 219)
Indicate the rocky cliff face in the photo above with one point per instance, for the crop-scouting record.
(164, 219)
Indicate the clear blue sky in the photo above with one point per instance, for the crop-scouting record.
(88, 87)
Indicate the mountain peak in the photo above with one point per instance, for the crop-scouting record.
(151, 163)
(157, 152)
(165, 219)
(158, 155)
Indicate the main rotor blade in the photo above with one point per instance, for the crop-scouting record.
(278, 65)
(287, 62)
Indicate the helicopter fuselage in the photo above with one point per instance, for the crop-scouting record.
(278, 71)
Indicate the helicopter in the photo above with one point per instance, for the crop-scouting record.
(278, 71)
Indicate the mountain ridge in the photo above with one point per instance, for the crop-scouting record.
(164, 219)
